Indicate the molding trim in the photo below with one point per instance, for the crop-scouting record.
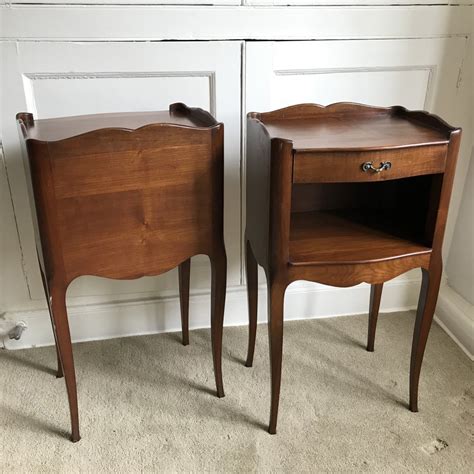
(431, 69)
(242, 22)
(150, 316)
(29, 78)
(456, 316)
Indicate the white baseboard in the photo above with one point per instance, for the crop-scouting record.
(456, 316)
(90, 322)
(138, 317)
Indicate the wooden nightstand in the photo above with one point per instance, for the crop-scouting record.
(124, 196)
(341, 195)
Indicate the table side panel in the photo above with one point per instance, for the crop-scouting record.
(258, 175)
(145, 197)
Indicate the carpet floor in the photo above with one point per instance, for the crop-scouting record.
(147, 404)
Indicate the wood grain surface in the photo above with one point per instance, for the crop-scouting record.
(123, 196)
(314, 214)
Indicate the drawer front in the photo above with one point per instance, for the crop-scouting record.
(335, 167)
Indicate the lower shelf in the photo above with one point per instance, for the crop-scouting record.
(331, 237)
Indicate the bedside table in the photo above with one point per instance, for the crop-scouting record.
(125, 196)
(341, 195)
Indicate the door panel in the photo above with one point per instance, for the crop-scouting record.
(383, 72)
(62, 79)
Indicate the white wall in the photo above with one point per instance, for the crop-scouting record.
(460, 265)
(455, 309)
(13, 287)
(65, 60)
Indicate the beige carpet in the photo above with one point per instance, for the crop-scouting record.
(147, 404)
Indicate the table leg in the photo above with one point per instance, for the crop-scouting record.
(60, 319)
(375, 296)
(276, 295)
(59, 372)
(218, 289)
(252, 297)
(183, 276)
(424, 316)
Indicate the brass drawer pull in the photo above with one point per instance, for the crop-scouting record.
(368, 166)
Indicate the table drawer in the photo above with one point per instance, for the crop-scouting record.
(334, 167)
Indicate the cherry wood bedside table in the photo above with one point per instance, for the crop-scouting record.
(341, 195)
(124, 196)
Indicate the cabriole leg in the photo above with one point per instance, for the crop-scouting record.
(218, 289)
(276, 294)
(375, 296)
(59, 372)
(424, 316)
(183, 276)
(252, 297)
(60, 319)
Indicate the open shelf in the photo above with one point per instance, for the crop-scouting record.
(338, 237)
(337, 223)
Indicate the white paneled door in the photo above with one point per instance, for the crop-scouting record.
(63, 79)
(416, 73)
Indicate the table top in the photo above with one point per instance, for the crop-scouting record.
(54, 129)
(353, 127)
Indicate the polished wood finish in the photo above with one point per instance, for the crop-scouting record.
(431, 278)
(314, 214)
(184, 270)
(319, 238)
(252, 295)
(357, 131)
(124, 196)
(312, 167)
(375, 298)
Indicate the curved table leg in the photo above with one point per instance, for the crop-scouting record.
(276, 295)
(218, 289)
(252, 297)
(60, 319)
(59, 371)
(375, 297)
(183, 276)
(424, 316)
